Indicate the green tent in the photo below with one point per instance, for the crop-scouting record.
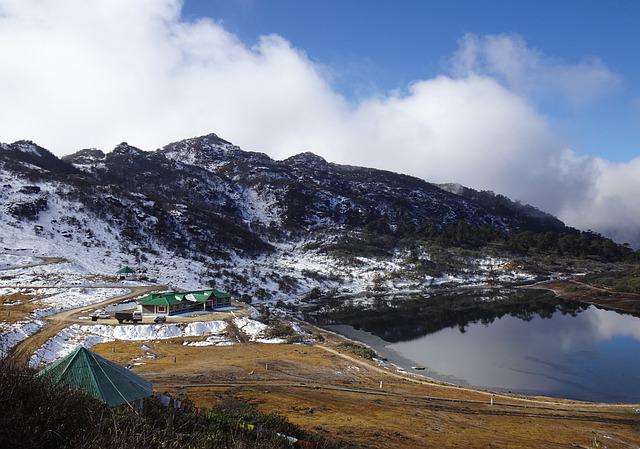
(125, 270)
(98, 377)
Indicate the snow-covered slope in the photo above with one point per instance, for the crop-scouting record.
(203, 212)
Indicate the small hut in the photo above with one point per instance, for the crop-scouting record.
(126, 271)
(98, 377)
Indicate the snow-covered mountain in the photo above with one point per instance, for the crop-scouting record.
(202, 210)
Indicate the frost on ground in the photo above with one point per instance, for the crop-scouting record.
(214, 340)
(65, 229)
(255, 330)
(12, 334)
(73, 298)
(8, 261)
(87, 335)
(59, 301)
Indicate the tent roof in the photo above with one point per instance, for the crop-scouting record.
(107, 381)
(125, 270)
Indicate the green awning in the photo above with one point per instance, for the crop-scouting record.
(125, 270)
(98, 377)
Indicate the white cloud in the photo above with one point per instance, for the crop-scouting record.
(79, 73)
(528, 71)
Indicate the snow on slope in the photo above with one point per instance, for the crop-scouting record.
(90, 335)
(96, 247)
(255, 330)
(60, 300)
(72, 298)
(12, 334)
(8, 261)
(65, 229)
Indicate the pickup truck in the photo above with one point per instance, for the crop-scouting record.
(134, 317)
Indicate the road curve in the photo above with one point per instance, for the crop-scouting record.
(23, 351)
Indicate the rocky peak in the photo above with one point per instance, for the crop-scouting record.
(306, 158)
(208, 151)
(88, 155)
(125, 149)
(27, 156)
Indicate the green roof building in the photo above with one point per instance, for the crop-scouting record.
(126, 270)
(171, 303)
(98, 377)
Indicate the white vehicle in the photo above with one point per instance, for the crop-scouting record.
(101, 314)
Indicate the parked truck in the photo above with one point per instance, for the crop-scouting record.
(134, 317)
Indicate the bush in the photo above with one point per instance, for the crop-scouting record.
(360, 350)
(45, 415)
(279, 329)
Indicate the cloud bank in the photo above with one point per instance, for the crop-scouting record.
(78, 73)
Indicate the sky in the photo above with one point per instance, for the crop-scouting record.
(393, 43)
(536, 100)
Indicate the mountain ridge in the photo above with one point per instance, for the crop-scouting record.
(205, 202)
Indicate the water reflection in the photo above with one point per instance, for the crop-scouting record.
(526, 342)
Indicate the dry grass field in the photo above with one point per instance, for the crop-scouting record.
(338, 395)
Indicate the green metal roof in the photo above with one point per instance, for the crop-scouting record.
(125, 270)
(160, 299)
(216, 293)
(173, 298)
(199, 296)
(221, 295)
(98, 377)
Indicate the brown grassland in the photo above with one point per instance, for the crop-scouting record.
(338, 395)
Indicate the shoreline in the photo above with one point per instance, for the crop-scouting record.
(399, 365)
(572, 290)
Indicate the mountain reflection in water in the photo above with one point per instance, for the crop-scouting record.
(520, 340)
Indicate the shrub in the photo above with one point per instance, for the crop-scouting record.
(46, 415)
(360, 350)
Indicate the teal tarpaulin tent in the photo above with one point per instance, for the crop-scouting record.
(125, 270)
(98, 377)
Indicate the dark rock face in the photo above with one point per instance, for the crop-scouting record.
(28, 210)
(29, 190)
(206, 195)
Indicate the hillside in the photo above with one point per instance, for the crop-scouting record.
(202, 210)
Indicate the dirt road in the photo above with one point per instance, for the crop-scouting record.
(327, 391)
(44, 261)
(55, 323)
(590, 294)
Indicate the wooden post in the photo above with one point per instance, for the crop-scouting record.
(174, 359)
(492, 399)
(381, 385)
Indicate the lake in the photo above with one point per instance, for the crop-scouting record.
(524, 341)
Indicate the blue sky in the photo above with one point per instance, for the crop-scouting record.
(377, 46)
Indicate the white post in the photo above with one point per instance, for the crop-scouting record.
(492, 399)
(381, 385)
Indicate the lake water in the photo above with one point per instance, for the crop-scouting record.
(505, 340)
